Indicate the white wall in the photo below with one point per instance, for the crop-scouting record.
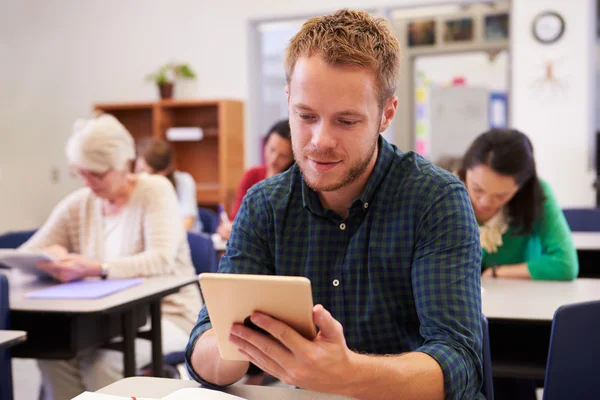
(59, 57)
(561, 122)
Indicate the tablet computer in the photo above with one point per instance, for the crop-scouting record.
(232, 298)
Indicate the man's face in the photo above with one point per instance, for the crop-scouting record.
(335, 121)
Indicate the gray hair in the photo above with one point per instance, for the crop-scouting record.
(100, 144)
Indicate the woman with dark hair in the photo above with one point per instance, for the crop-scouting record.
(155, 156)
(278, 157)
(524, 233)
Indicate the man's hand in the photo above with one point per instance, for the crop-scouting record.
(71, 267)
(321, 364)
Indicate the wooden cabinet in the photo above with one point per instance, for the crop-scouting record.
(216, 162)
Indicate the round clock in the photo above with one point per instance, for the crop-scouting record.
(548, 27)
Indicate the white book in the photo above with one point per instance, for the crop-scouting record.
(181, 394)
(24, 260)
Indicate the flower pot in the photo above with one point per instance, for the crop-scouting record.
(166, 90)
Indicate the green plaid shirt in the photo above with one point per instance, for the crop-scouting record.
(401, 273)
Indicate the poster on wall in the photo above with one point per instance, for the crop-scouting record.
(458, 30)
(422, 121)
(421, 33)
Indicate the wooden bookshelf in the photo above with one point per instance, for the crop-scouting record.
(216, 162)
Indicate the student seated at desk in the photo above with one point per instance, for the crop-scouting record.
(118, 226)
(389, 241)
(524, 233)
(278, 157)
(155, 156)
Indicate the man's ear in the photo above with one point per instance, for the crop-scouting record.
(389, 111)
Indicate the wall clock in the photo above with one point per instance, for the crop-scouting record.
(548, 27)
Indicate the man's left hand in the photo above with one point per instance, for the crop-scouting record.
(321, 364)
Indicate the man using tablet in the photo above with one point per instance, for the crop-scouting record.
(388, 241)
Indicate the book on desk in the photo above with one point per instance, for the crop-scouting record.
(181, 394)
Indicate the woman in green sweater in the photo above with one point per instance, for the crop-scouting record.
(524, 233)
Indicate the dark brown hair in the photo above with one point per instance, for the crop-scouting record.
(158, 154)
(509, 152)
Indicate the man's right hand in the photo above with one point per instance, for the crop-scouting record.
(208, 364)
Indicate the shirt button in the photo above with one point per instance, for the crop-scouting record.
(336, 283)
(366, 205)
(342, 226)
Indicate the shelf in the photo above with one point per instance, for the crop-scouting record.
(207, 193)
(124, 106)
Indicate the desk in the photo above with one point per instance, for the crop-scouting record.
(11, 338)
(588, 253)
(586, 240)
(160, 387)
(520, 316)
(76, 325)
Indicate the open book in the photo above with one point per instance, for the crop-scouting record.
(23, 260)
(181, 394)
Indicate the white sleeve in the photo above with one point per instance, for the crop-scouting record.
(186, 192)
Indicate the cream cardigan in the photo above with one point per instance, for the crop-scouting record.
(154, 239)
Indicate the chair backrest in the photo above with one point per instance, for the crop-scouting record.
(209, 219)
(488, 384)
(583, 219)
(204, 255)
(6, 389)
(12, 240)
(572, 369)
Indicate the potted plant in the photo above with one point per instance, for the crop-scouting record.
(166, 76)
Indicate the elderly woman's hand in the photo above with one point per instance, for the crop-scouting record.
(71, 267)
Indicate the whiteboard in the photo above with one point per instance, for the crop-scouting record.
(457, 116)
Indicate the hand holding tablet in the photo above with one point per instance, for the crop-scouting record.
(233, 298)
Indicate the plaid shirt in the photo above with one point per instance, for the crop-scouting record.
(401, 273)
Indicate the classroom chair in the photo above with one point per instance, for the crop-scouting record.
(12, 240)
(572, 368)
(204, 258)
(488, 382)
(6, 386)
(583, 219)
(209, 219)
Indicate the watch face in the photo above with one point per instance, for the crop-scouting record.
(548, 27)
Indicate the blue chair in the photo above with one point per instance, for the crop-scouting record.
(583, 219)
(209, 219)
(488, 382)
(12, 240)
(6, 387)
(572, 366)
(204, 258)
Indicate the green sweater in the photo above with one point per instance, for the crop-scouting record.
(548, 250)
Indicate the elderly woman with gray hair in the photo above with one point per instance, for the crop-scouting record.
(118, 226)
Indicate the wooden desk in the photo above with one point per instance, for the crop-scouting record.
(75, 325)
(586, 240)
(520, 316)
(160, 387)
(11, 338)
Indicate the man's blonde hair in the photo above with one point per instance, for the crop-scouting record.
(350, 37)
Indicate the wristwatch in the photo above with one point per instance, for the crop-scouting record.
(104, 272)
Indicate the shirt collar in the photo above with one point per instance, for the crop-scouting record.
(310, 198)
